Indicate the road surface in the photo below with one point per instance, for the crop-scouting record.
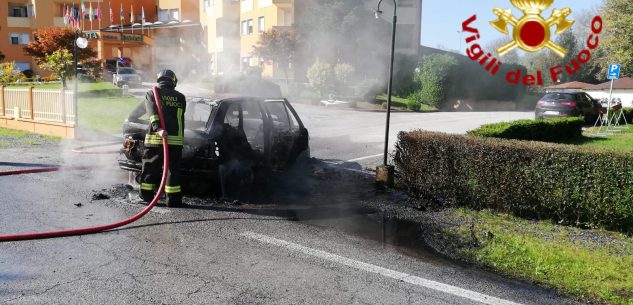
(311, 250)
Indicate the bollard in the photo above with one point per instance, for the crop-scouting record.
(385, 175)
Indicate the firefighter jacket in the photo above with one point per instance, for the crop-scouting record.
(173, 104)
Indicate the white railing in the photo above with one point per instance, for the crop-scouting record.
(43, 105)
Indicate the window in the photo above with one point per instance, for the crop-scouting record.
(22, 66)
(208, 4)
(261, 24)
(18, 11)
(168, 14)
(19, 39)
(279, 116)
(247, 27)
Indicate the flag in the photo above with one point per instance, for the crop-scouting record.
(132, 18)
(142, 15)
(69, 15)
(83, 9)
(75, 16)
(111, 14)
(65, 14)
(99, 11)
(91, 13)
(121, 15)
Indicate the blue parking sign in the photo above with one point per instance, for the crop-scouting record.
(614, 71)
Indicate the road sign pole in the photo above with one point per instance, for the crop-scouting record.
(609, 103)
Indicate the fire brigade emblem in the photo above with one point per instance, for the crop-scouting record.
(532, 32)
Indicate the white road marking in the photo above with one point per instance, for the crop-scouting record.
(365, 158)
(411, 279)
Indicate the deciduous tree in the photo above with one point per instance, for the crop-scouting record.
(618, 35)
(277, 46)
(59, 62)
(51, 39)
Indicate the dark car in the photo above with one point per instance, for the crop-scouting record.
(567, 104)
(263, 136)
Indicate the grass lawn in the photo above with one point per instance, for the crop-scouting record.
(102, 107)
(620, 141)
(587, 264)
(399, 103)
(12, 137)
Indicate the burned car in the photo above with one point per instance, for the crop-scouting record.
(243, 138)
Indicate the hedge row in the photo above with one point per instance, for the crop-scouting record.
(548, 130)
(585, 188)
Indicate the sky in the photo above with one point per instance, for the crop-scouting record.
(442, 19)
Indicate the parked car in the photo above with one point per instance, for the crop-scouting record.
(264, 135)
(567, 104)
(126, 76)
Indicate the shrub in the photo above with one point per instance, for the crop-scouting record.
(628, 114)
(549, 130)
(10, 74)
(567, 184)
(321, 78)
(414, 105)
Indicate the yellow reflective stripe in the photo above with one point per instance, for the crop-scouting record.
(172, 189)
(180, 125)
(148, 186)
(154, 118)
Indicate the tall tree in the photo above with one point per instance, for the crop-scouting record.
(511, 57)
(51, 39)
(344, 31)
(277, 46)
(618, 38)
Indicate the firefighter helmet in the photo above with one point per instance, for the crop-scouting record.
(167, 74)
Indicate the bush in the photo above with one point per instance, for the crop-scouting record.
(321, 77)
(549, 130)
(567, 184)
(9, 73)
(628, 114)
(414, 105)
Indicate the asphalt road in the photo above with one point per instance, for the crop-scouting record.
(317, 248)
(359, 137)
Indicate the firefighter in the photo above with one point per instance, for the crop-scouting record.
(173, 104)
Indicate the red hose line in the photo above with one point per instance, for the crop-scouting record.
(82, 149)
(97, 229)
(41, 170)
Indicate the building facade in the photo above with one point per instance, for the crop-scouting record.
(213, 37)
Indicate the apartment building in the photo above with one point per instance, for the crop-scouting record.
(20, 18)
(219, 17)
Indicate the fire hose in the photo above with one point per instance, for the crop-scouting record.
(97, 229)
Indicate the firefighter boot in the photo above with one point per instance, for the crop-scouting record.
(174, 200)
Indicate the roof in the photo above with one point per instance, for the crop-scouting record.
(622, 84)
(571, 85)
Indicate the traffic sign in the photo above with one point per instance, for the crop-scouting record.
(614, 71)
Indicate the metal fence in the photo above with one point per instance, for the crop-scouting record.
(44, 105)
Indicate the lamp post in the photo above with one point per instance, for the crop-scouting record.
(385, 172)
(81, 43)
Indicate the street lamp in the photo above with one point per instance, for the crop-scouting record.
(82, 43)
(385, 173)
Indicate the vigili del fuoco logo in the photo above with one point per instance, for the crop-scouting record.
(531, 33)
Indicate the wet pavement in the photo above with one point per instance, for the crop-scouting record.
(320, 236)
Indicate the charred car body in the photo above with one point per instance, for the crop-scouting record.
(241, 137)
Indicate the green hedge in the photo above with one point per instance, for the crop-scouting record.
(548, 130)
(585, 188)
(628, 114)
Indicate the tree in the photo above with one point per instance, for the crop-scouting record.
(433, 77)
(277, 46)
(59, 62)
(618, 35)
(51, 39)
(344, 31)
(511, 57)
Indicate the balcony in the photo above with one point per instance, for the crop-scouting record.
(18, 22)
